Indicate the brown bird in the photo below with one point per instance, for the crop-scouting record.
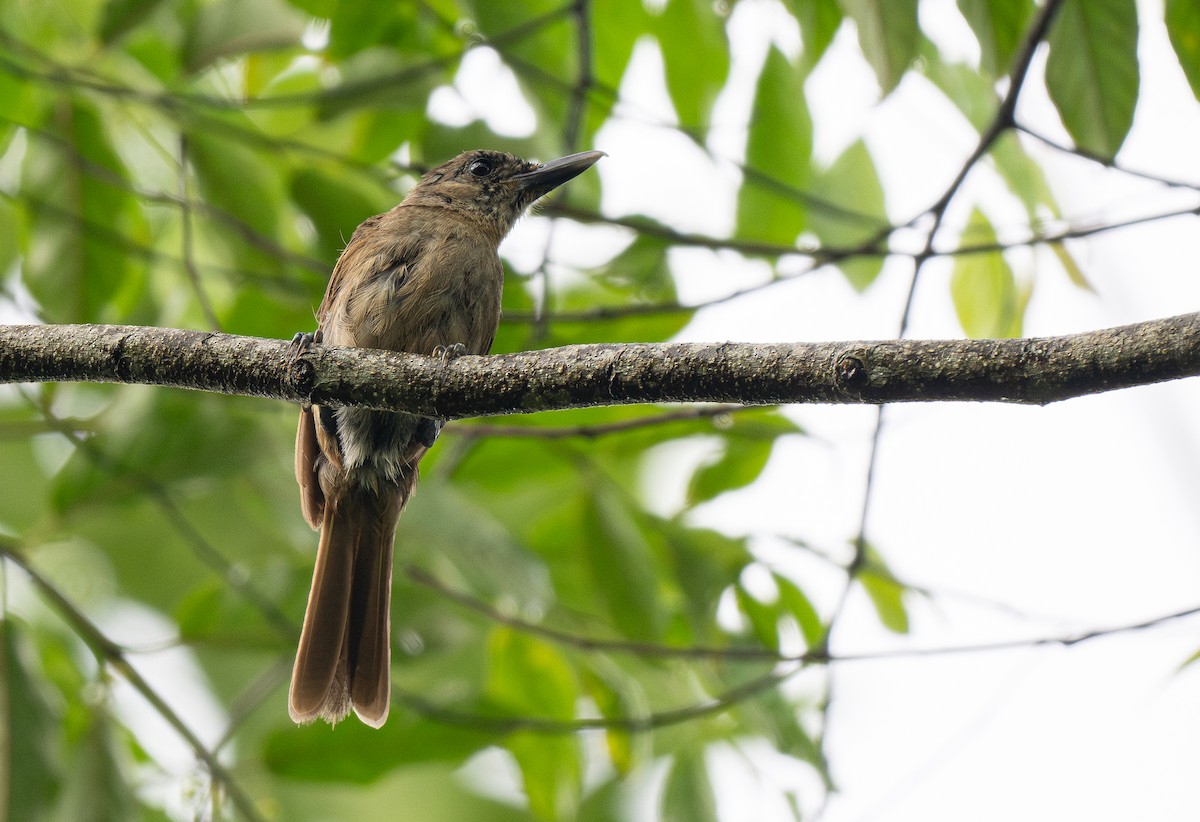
(425, 277)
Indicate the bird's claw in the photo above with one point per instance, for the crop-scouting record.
(447, 353)
(302, 343)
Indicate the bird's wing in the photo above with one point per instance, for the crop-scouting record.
(338, 278)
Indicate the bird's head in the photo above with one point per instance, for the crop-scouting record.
(494, 188)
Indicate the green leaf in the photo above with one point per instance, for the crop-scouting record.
(695, 57)
(246, 183)
(764, 618)
(529, 677)
(973, 94)
(741, 462)
(551, 771)
(1024, 177)
(888, 36)
(30, 729)
(887, 595)
(999, 26)
(87, 236)
(885, 592)
(610, 702)
(122, 15)
(541, 53)
(358, 754)
(847, 211)
(1183, 27)
(772, 201)
(797, 603)
(819, 21)
(1092, 73)
(984, 290)
(96, 787)
(689, 795)
(705, 563)
(1074, 272)
(337, 202)
(296, 81)
(641, 271)
(229, 27)
(622, 567)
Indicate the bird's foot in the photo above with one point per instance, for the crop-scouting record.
(429, 427)
(427, 431)
(302, 343)
(447, 353)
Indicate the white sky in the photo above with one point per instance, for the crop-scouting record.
(1029, 522)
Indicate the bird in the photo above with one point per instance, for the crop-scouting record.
(426, 278)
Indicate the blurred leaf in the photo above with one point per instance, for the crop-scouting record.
(1183, 27)
(819, 21)
(764, 618)
(779, 718)
(337, 203)
(552, 773)
(1024, 177)
(1092, 73)
(122, 15)
(888, 36)
(227, 27)
(689, 796)
(85, 225)
(611, 705)
(356, 753)
(356, 25)
(747, 441)
(536, 40)
(96, 787)
(970, 92)
(999, 26)
(529, 677)
(30, 729)
(739, 464)
(986, 296)
(848, 211)
(695, 57)
(621, 565)
(22, 503)
(614, 33)
(641, 270)
(771, 202)
(159, 435)
(705, 563)
(20, 103)
(885, 592)
(797, 603)
(289, 86)
(1071, 266)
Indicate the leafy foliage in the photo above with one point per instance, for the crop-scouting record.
(200, 164)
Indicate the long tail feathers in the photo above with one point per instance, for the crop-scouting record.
(344, 659)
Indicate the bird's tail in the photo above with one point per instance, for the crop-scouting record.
(344, 659)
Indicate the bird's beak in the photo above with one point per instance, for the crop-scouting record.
(556, 172)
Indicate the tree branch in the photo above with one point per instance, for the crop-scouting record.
(1034, 370)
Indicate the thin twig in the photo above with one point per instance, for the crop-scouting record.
(111, 654)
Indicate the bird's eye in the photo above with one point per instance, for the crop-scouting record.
(480, 168)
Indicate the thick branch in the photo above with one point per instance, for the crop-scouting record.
(1036, 370)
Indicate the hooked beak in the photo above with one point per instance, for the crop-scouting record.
(556, 172)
